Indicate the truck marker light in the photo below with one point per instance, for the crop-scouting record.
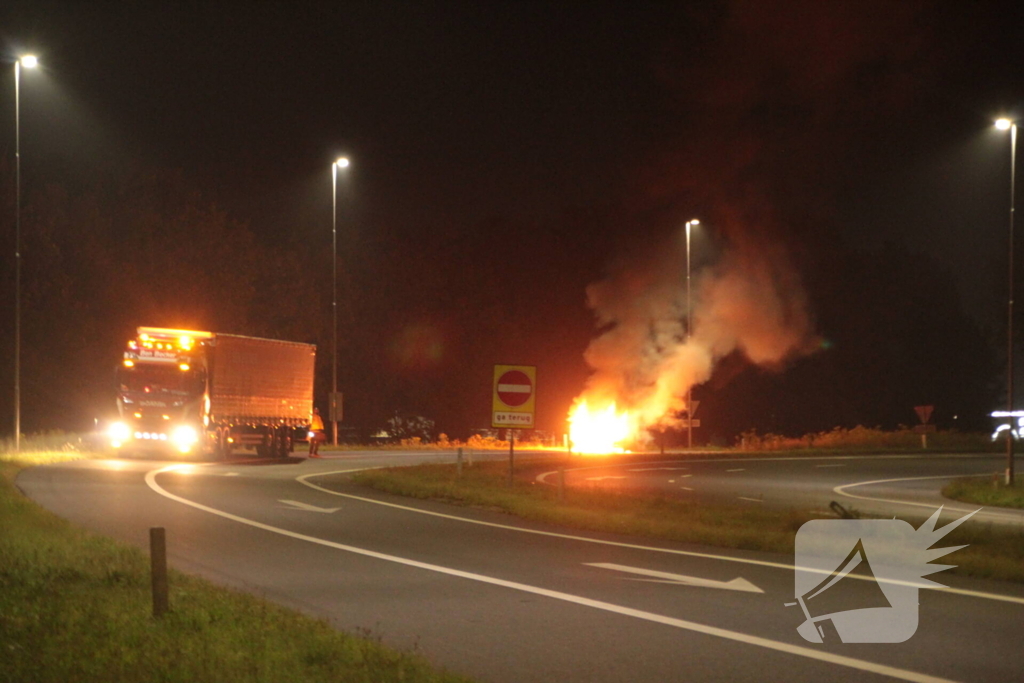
(184, 367)
(129, 363)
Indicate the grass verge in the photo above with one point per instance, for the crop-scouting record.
(993, 552)
(75, 606)
(983, 491)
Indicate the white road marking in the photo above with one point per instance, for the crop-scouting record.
(984, 512)
(686, 488)
(671, 481)
(683, 476)
(296, 505)
(800, 651)
(738, 469)
(839, 464)
(544, 475)
(660, 469)
(231, 474)
(752, 500)
(602, 478)
(737, 584)
(635, 546)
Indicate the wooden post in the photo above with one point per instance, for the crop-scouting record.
(158, 569)
(458, 467)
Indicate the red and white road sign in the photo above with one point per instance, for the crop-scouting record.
(514, 388)
(514, 396)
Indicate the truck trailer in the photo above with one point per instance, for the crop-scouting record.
(195, 392)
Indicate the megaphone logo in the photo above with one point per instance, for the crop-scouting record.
(857, 579)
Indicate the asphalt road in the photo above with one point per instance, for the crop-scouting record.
(500, 599)
(905, 485)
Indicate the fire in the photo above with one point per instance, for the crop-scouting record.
(599, 431)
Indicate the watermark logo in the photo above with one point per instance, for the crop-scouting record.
(857, 579)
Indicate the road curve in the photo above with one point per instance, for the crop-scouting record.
(905, 485)
(504, 600)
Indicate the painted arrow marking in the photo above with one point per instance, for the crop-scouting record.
(737, 584)
(296, 505)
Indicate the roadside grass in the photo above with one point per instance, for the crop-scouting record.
(75, 606)
(981, 491)
(993, 552)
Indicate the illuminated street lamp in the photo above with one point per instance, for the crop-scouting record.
(1007, 124)
(342, 162)
(689, 333)
(29, 62)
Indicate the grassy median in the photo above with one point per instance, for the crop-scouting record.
(982, 491)
(75, 606)
(993, 552)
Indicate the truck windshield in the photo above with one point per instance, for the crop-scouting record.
(155, 379)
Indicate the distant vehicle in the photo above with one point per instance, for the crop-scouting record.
(194, 392)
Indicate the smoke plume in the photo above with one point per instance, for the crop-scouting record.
(750, 301)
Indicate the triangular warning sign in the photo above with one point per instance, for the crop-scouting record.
(924, 412)
(691, 408)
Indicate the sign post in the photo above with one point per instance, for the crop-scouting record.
(336, 407)
(512, 404)
(924, 413)
(691, 410)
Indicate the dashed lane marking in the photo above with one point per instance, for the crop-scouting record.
(735, 636)
(302, 479)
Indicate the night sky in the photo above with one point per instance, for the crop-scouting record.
(506, 155)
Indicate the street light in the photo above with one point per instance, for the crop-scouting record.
(29, 62)
(341, 162)
(1007, 124)
(689, 333)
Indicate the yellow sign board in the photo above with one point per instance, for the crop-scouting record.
(514, 396)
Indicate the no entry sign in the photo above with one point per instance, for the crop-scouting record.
(514, 395)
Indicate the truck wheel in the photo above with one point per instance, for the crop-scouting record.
(266, 449)
(224, 443)
(284, 442)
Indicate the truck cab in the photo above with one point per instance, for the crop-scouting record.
(161, 391)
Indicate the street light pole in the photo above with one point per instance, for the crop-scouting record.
(1007, 124)
(689, 333)
(29, 62)
(340, 163)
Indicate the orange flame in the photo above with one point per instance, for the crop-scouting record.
(599, 431)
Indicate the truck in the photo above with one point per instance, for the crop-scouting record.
(206, 393)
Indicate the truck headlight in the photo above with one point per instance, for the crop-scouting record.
(184, 437)
(118, 432)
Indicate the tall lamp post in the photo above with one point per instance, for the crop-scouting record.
(29, 62)
(1007, 124)
(689, 332)
(342, 162)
